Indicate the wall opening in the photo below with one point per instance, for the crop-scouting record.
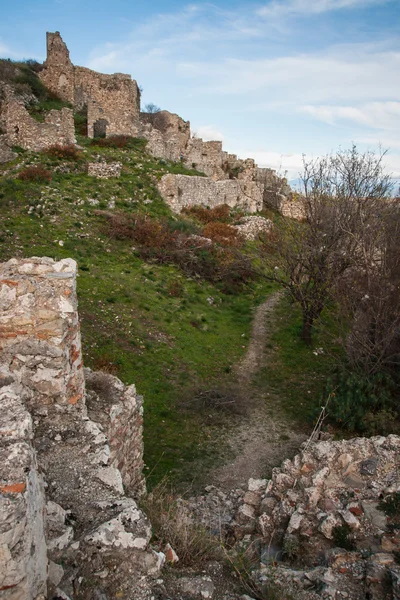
(100, 128)
(81, 121)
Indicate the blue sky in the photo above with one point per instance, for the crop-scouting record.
(273, 79)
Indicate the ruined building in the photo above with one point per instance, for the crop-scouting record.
(112, 101)
(112, 106)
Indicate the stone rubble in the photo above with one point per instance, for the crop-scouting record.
(251, 227)
(104, 170)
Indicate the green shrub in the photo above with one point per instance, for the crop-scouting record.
(359, 403)
(342, 537)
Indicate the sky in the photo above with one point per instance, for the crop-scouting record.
(274, 79)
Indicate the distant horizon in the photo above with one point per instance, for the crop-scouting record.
(272, 80)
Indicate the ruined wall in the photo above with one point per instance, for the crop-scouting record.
(23, 130)
(58, 74)
(180, 191)
(328, 489)
(113, 101)
(47, 428)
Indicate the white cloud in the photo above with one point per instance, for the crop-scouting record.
(209, 133)
(376, 115)
(280, 8)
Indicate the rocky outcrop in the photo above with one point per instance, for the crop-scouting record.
(69, 457)
(180, 191)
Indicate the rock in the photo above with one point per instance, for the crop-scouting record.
(369, 466)
(295, 521)
(327, 526)
(377, 517)
(245, 514)
(252, 498)
(198, 587)
(257, 485)
(55, 573)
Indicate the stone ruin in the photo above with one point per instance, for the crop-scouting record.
(229, 179)
(21, 129)
(320, 522)
(112, 101)
(112, 106)
(71, 453)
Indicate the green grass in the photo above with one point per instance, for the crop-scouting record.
(147, 323)
(296, 374)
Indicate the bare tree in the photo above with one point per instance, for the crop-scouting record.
(340, 198)
(151, 108)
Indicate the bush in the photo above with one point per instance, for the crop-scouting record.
(68, 152)
(157, 241)
(35, 174)
(359, 402)
(209, 215)
(221, 233)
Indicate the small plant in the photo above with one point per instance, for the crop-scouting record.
(358, 402)
(391, 505)
(35, 174)
(342, 537)
(173, 524)
(209, 215)
(291, 547)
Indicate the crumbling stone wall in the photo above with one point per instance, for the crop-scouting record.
(47, 427)
(112, 99)
(180, 191)
(23, 130)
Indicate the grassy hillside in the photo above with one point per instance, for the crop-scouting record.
(149, 323)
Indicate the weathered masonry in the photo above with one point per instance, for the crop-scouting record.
(112, 101)
(66, 448)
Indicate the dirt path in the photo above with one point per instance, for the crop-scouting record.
(264, 438)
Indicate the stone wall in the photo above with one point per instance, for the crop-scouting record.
(112, 101)
(180, 191)
(48, 428)
(23, 130)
